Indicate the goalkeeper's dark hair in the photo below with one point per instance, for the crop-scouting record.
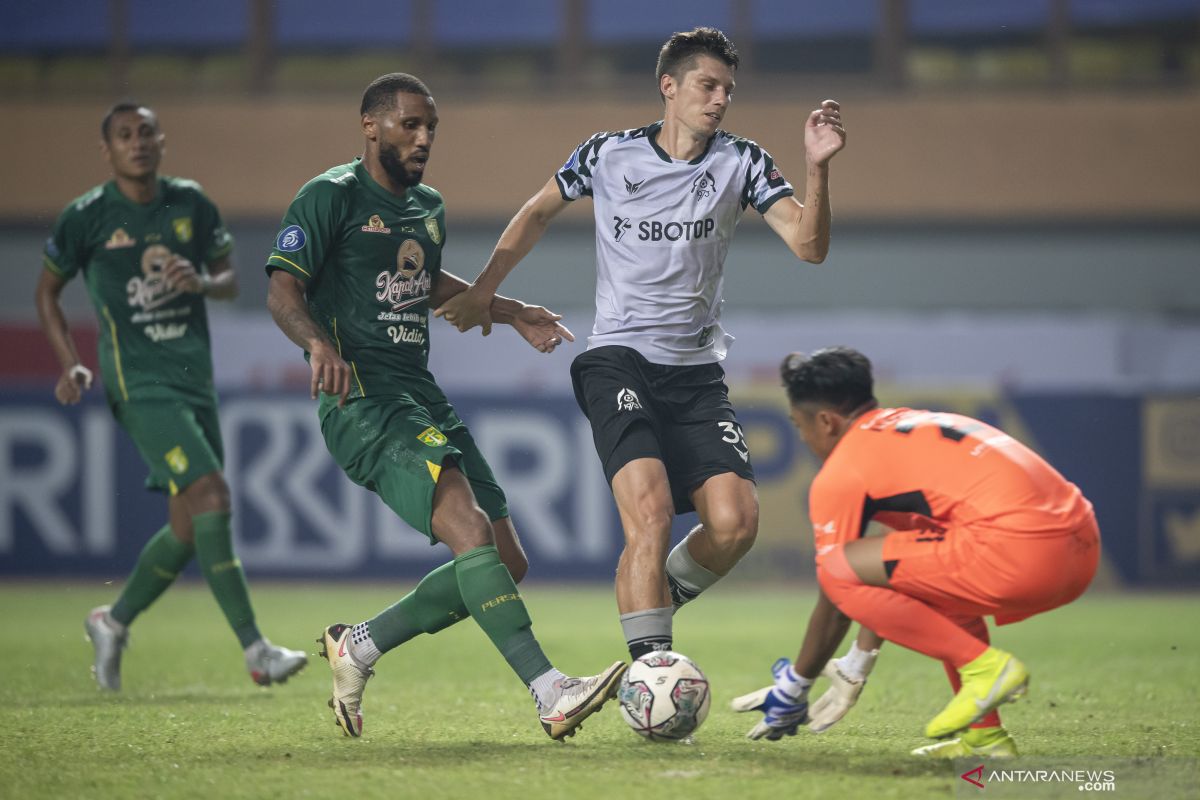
(679, 53)
(380, 95)
(838, 377)
(121, 108)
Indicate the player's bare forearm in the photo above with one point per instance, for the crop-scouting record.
(222, 281)
(53, 321)
(816, 221)
(826, 628)
(503, 309)
(285, 301)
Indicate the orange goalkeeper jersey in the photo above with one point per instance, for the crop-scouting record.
(912, 470)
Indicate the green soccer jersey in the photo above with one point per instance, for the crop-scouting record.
(368, 260)
(154, 341)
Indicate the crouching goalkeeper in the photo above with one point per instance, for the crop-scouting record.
(981, 526)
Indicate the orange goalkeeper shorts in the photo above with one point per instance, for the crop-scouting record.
(1008, 575)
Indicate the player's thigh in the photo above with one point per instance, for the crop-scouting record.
(613, 393)
(179, 441)
(939, 567)
(394, 448)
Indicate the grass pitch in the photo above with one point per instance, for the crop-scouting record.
(1114, 677)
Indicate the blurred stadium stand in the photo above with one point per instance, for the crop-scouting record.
(1016, 236)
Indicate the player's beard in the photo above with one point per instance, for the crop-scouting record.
(393, 165)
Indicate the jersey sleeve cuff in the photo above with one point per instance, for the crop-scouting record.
(773, 199)
(561, 190)
(55, 268)
(276, 261)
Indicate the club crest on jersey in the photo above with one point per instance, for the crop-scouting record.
(177, 460)
(627, 400)
(375, 225)
(704, 185)
(119, 240)
(632, 187)
(183, 229)
(435, 233)
(432, 437)
(151, 290)
(290, 239)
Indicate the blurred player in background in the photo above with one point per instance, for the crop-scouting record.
(667, 199)
(352, 277)
(152, 249)
(981, 524)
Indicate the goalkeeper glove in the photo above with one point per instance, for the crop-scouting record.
(842, 694)
(784, 706)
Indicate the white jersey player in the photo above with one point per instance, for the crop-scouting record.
(667, 199)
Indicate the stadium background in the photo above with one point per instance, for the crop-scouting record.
(1016, 236)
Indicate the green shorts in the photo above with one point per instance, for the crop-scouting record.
(395, 446)
(179, 441)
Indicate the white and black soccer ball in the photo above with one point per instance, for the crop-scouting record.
(664, 695)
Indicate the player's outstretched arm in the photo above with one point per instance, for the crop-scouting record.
(539, 326)
(75, 378)
(806, 228)
(471, 308)
(285, 300)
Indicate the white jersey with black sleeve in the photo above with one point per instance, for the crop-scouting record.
(663, 227)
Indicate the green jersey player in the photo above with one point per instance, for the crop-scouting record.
(355, 269)
(151, 249)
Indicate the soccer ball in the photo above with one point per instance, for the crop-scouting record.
(664, 695)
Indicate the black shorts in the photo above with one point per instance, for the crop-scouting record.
(680, 415)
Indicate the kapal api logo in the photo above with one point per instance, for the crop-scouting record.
(410, 283)
(151, 290)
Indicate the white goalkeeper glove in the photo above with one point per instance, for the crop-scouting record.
(842, 694)
(784, 705)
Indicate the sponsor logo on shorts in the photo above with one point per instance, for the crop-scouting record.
(290, 239)
(432, 437)
(627, 400)
(177, 460)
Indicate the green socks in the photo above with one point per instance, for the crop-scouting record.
(491, 597)
(223, 573)
(435, 604)
(161, 561)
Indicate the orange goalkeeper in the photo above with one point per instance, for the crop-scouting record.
(981, 526)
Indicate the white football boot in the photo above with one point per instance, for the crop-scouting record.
(269, 663)
(578, 699)
(349, 678)
(109, 638)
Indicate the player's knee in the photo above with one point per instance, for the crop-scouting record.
(518, 565)
(207, 494)
(733, 529)
(834, 573)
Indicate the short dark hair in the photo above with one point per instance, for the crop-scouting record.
(381, 93)
(121, 108)
(679, 53)
(839, 377)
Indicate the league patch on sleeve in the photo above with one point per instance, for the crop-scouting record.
(290, 239)
(52, 248)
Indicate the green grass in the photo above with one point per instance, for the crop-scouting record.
(1114, 677)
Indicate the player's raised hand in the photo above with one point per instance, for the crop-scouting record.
(330, 373)
(824, 134)
(181, 274)
(467, 309)
(72, 384)
(783, 712)
(542, 328)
